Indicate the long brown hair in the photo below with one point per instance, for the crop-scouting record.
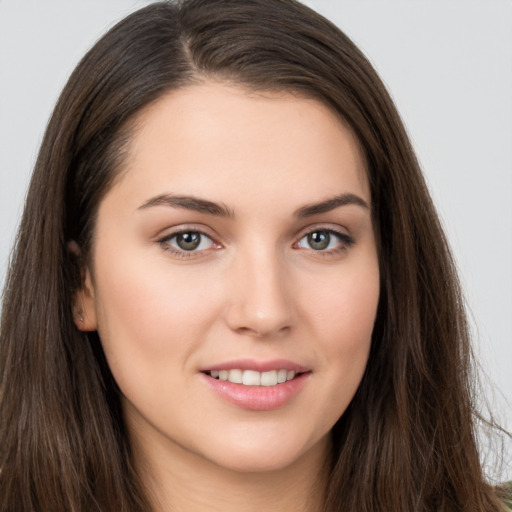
(406, 442)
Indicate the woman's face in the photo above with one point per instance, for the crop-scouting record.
(237, 244)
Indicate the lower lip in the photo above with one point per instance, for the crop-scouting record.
(257, 398)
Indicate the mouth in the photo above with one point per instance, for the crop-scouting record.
(257, 385)
(254, 377)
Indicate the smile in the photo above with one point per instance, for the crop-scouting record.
(257, 385)
(253, 377)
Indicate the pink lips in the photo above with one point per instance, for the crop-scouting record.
(257, 398)
(259, 366)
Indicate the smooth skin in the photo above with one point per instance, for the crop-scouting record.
(259, 275)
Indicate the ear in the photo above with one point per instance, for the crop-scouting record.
(84, 301)
(84, 308)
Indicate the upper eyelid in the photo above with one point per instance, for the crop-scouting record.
(176, 233)
(340, 230)
(169, 232)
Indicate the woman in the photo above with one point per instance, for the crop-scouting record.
(230, 287)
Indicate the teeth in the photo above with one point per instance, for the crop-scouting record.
(251, 378)
(269, 378)
(235, 376)
(254, 378)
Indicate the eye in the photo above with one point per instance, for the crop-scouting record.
(325, 240)
(187, 242)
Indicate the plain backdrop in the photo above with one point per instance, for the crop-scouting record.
(448, 66)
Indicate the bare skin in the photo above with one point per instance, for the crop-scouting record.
(179, 482)
(238, 238)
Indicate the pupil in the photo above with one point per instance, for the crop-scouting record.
(188, 241)
(319, 240)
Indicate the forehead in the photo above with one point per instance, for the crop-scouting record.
(213, 138)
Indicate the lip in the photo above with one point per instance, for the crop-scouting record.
(257, 398)
(259, 366)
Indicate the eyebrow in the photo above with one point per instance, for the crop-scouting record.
(331, 204)
(189, 203)
(220, 210)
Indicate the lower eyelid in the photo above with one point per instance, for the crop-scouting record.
(177, 252)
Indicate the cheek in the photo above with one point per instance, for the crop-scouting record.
(345, 308)
(343, 317)
(147, 312)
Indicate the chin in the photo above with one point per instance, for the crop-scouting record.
(268, 457)
(254, 463)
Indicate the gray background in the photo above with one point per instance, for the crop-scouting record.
(448, 65)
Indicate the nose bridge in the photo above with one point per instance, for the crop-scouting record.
(260, 302)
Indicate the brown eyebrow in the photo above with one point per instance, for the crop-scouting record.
(189, 203)
(331, 204)
(211, 208)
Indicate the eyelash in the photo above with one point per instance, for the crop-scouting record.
(345, 242)
(180, 253)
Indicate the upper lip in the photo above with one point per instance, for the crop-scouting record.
(259, 366)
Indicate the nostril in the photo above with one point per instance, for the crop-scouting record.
(263, 331)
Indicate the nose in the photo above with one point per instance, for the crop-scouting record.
(260, 299)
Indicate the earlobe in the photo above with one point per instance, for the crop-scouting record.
(84, 311)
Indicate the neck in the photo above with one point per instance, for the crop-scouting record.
(181, 481)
